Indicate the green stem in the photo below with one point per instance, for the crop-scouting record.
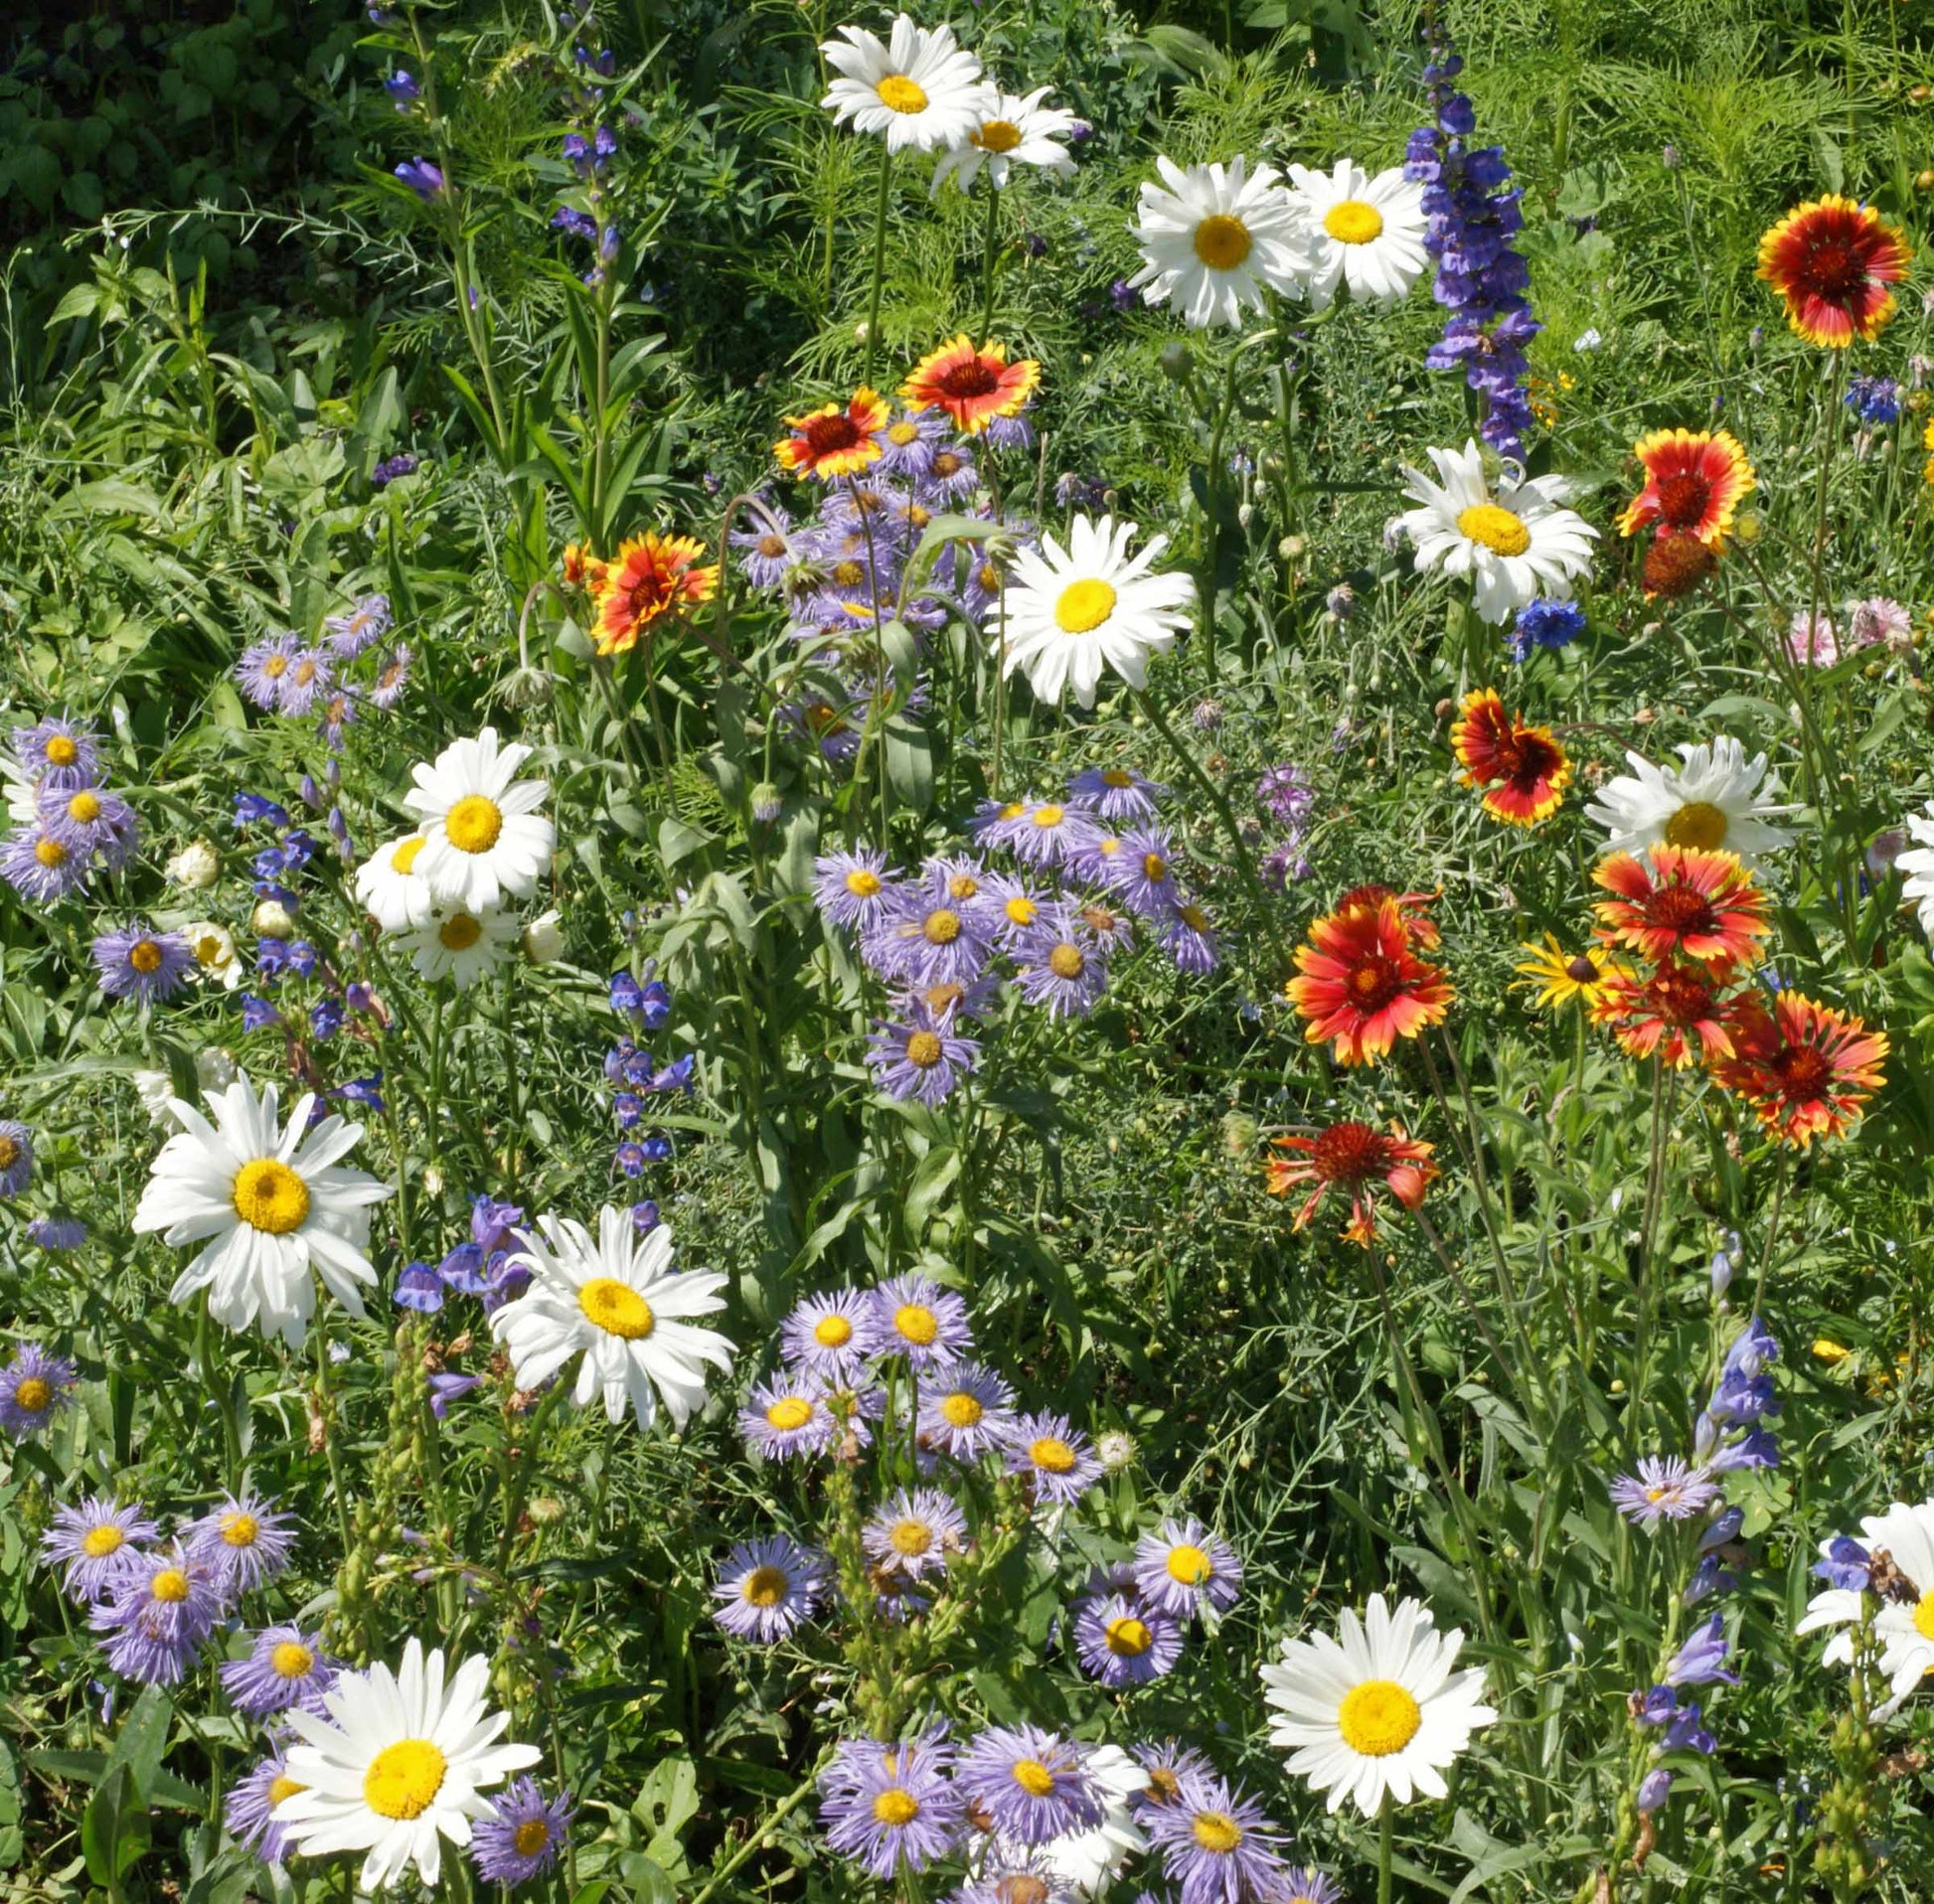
(1216, 798)
(991, 243)
(218, 1392)
(1385, 1846)
(879, 264)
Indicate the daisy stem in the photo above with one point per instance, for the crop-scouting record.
(1213, 558)
(330, 1450)
(1385, 1846)
(992, 250)
(878, 264)
(1215, 795)
(218, 1391)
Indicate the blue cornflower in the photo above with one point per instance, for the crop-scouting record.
(1874, 399)
(1544, 624)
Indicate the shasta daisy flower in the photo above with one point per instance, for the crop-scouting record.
(1904, 1622)
(249, 1811)
(1833, 260)
(614, 1301)
(484, 840)
(1516, 542)
(34, 1388)
(919, 90)
(914, 1317)
(1355, 1157)
(766, 1589)
(1213, 239)
(1524, 767)
(788, 1416)
(138, 963)
(1380, 1712)
(1682, 903)
(650, 576)
(1123, 1641)
(1664, 1490)
(1183, 1567)
(270, 1204)
(98, 1540)
(245, 1542)
(835, 440)
(914, 1532)
(399, 1762)
(284, 1667)
(1359, 986)
(1695, 481)
(1031, 1783)
(1718, 799)
(462, 945)
(888, 1806)
(972, 384)
(1559, 977)
(1916, 866)
(1011, 131)
(1678, 1010)
(965, 1411)
(1367, 232)
(1058, 1458)
(827, 1335)
(157, 1613)
(521, 1833)
(1804, 1068)
(391, 890)
(1219, 1845)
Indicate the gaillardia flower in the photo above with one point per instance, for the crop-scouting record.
(1360, 986)
(1676, 1011)
(1804, 1068)
(648, 576)
(1832, 261)
(1694, 483)
(835, 440)
(973, 386)
(1682, 903)
(1524, 767)
(1353, 1157)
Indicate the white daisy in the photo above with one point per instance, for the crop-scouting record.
(1364, 232)
(1905, 1628)
(1514, 542)
(615, 1301)
(1088, 1860)
(462, 946)
(1917, 866)
(214, 947)
(921, 90)
(391, 889)
(1216, 239)
(1010, 131)
(1715, 800)
(399, 1762)
(483, 838)
(271, 1205)
(1377, 1709)
(1072, 612)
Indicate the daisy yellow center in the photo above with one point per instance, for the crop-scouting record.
(61, 752)
(458, 933)
(895, 1806)
(948, 465)
(1217, 1833)
(99, 1542)
(50, 853)
(917, 1324)
(474, 823)
(902, 433)
(911, 1536)
(789, 1413)
(1128, 1638)
(240, 1530)
(1699, 825)
(989, 579)
(170, 1586)
(1924, 1616)
(293, 1661)
(1352, 222)
(763, 1587)
(832, 1332)
(1051, 1453)
(1084, 605)
(923, 1049)
(1034, 1777)
(529, 1837)
(403, 1779)
(1222, 242)
(208, 950)
(1495, 529)
(917, 516)
(284, 1788)
(997, 135)
(616, 1308)
(1066, 962)
(145, 956)
(1378, 1717)
(961, 1411)
(268, 1196)
(1022, 909)
(83, 807)
(404, 856)
(899, 94)
(942, 926)
(861, 883)
(1188, 1566)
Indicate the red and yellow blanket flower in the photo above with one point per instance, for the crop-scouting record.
(650, 576)
(1832, 261)
(1694, 480)
(1524, 767)
(1362, 988)
(1680, 903)
(1353, 1157)
(1804, 1068)
(835, 440)
(1678, 1012)
(971, 385)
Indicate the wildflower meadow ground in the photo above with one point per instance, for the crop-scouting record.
(967, 957)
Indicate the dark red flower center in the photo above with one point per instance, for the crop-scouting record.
(1684, 498)
(1680, 998)
(1349, 1153)
(1801, 1071)
(1581, 971)
(973, 377)
(1373, 982)
(1676, 564)
(1832, 267)
(827, 436)
(1680, 909)
(1524, 759)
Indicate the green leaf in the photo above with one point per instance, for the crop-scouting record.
(143, 1740)
(114, 1827)
(108, 497)
(909, 763)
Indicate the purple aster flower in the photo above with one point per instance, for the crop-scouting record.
(1000, 823)
(521, 1835)
(1017, 1874)
(1663, 1488)
(888, 1806)
(1185, 1568)
(1702, 1659)
(55, 1233)
(1219, 1845)
(446, 1388)
(908, 444)
(41, 868)
(950, 477)
(1123, 1641)
(1010, 432)
(423, 178)
(58, 752)
(766, 1589)
(1143, 872)
(914, 1532)
(244, 1541)
(928, 936)
(1285, 791)
(1170, 1766)
(1033, 1785)
(248, 1811)
(98, 1540)
(1063, 965)
(826, 1335)
(1115, 793)
(767, 547)
(920, 1060)
(1845, 1564)
(136, 963)
(1053, 834)
(1654, 1788)
(88, 821)
(965, 1411)
(263, 667)
(284, 1668)
(788, 1416)
(1188, 941)
(33, 1390)
(914, 1317)
(157, 1614)
(309, 679)
(1059, 1457)
(1305, 1884)
(392, 677)
(360, 627)
(336, 713)
(16, 1156)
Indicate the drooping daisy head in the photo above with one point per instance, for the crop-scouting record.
(97, 1540)
(484, 840)
(1010, 130)
(1215, 239)
(766, 1589)
(1364, 231)
(1833, 261)
(463, 945)
(33, 1387)
(391, 889)
(919, 89)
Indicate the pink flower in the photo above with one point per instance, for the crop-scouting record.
(1811, 642)
(1879, 619)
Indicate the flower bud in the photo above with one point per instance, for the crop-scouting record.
(271, 920)
(544, 939)
(197, 865)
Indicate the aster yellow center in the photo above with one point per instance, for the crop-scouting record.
(1495, 529)
(474, 823)
(1221, 242)
(1128, 1638)
(763, 1587)
(276, 667)
(961, 1411)
(1066, 961)
(1187, 1565)
(50, 853)
(917, 1324)
(305, 672)
(9, 1151)
(293, 1661)
(145, 956)
(269, 1197)
(1924, 1616)
(239, 1530)
(529, 1837)
(405, 854)
(33, 1395)
(1378, 1717)
(1049, 816)
(1352, 222)
(1051, 1453)
(862, 883)
(1699, 825)
(849, 573)
(1084, 605)
(83, 807)
(941, 926)
(61, 752)
(996, 136)
(911, 1536)
(284, 1788)
(902, 433)
(1217, 1833)
(925, 1049)
(899, 94)
(895, 1806)
(1034, 1777)
(403, 1779)
(832, 1332)
(99, 1542)
(170, 1586)
(1022, 909)
(459, 933)
(1154, 867)
(789, 1413)
(616, 1308)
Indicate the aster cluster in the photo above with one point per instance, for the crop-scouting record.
(637, 1079)
(352, 665)
(65, 823)
(1471, 220)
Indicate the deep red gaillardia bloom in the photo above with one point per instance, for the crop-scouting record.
(1525, 767)
(1676, 564)
(1682, 902)
(1360, 986)
(972, 386)
(1678, 1010)
(1804, 1068)
(1832, 261)
(648, 576)
(1355, 1157)
(833, 441)
(1413, 907)
(581, 568)
(1694, 483)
